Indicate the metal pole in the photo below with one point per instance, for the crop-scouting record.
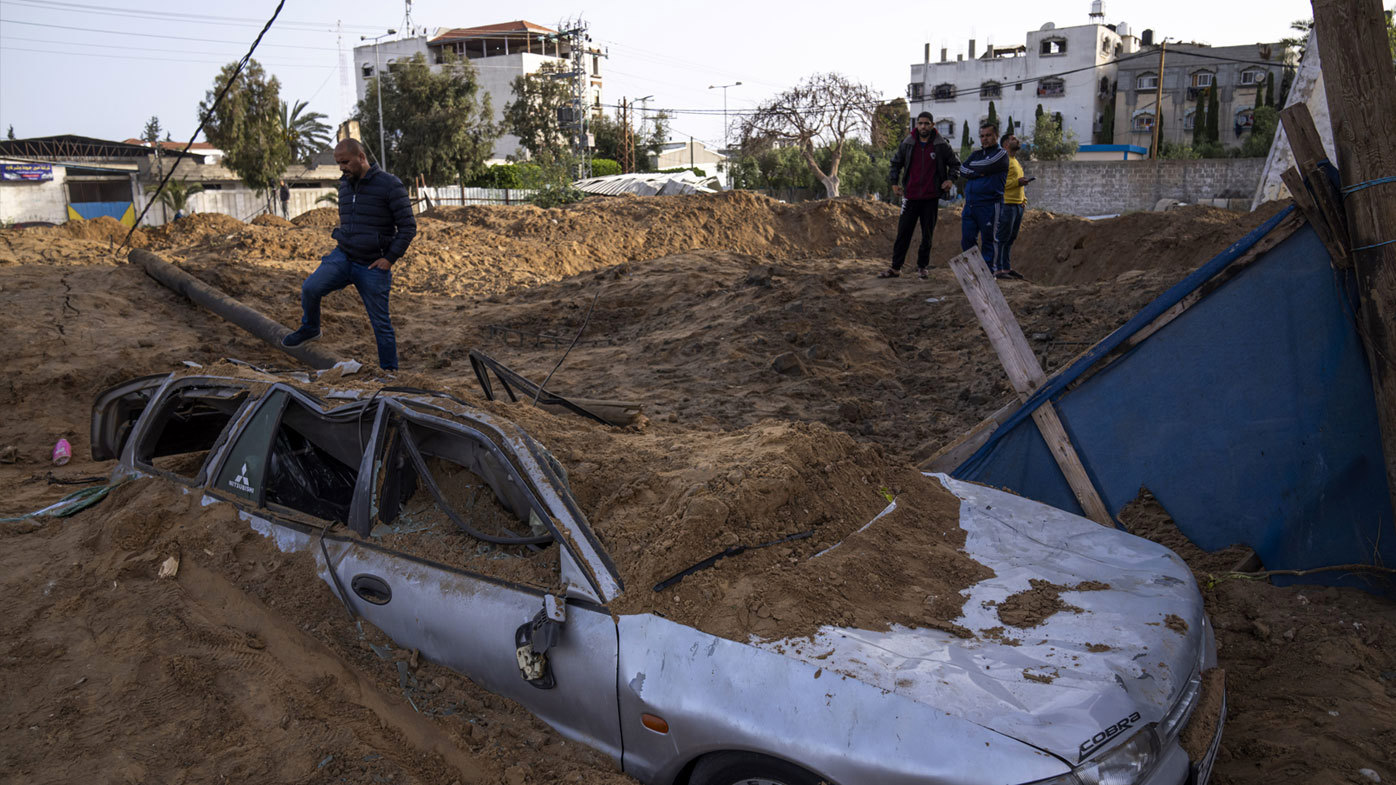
(1158, 101)
(378, 75)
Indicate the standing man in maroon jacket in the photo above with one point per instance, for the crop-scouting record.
(921, 170)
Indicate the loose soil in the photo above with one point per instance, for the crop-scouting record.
(785, 390)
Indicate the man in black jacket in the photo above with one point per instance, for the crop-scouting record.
(920, 173)
(375, 227)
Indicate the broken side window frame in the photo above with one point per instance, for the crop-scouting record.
(149, 428)
(587, 570)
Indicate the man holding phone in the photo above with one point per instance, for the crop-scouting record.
(1015, 203)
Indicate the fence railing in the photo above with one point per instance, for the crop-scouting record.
(455, 195)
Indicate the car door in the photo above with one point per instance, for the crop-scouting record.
(461, 601)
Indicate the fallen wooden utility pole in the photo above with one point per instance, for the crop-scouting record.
(1361, 88)
(226, 307)
(1025, 374)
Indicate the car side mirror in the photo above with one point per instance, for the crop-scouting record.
(534, 638)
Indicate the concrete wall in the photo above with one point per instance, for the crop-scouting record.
(1109, 187)
(45, 201)
(243, 204)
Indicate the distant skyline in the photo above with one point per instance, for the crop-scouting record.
(102, 71)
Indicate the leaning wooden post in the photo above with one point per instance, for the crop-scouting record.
(1360, 85)
(1025, 374)
(228, 308)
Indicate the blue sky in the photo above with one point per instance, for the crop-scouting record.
(101, 69)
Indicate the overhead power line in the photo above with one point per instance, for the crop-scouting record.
(208, 19)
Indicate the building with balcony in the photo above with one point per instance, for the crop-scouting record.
(1238, 74)
(1066, 70)
(500, 54)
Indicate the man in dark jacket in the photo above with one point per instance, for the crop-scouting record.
(986, 173)
(375, 227)
(920, 173)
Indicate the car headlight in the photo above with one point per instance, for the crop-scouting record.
(1125, 765)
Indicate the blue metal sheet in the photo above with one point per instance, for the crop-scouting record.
(90, 210)
(1251, 417)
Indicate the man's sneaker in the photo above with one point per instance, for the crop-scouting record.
(1013, 275)
(300, 337)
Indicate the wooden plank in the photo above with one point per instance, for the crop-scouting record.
(1308, 151)
(1025, 374)
(1304, 200)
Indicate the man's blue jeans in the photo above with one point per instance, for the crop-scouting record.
(1010, 221)
(336, 272)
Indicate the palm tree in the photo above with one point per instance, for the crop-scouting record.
(307, 134)
(176, 194)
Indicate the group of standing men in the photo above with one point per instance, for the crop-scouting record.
(925, 168)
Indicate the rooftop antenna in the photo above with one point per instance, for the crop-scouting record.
(407, 17)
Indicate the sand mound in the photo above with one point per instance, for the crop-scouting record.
(1066, 249)
(104, 229)
(267, 219)
(662, 501)
(321, 216)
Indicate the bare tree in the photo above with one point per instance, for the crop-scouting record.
(822, 111)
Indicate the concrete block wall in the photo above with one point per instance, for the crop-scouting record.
(1110, 187)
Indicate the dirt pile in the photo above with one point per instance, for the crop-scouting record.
(757, 368)
(267, 219)
(1310, 671)
(1064, 249)
(664, 501)
(320, 217)
(241, 666)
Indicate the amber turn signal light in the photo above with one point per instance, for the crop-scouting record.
(656, 724)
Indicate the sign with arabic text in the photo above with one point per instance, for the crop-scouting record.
(35, 173)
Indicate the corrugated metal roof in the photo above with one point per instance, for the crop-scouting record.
(648, 184)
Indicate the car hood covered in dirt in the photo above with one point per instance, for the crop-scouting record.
(1081, 628)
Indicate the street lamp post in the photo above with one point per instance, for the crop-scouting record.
(378, 74)
(726, 142)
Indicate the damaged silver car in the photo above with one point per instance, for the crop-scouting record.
(362, 479)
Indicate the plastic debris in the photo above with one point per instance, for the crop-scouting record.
(62, 452)
(169, 567)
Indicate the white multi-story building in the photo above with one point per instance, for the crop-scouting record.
(1066, 70)
(500, 53)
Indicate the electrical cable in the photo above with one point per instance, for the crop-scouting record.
(578, 337)
(202, 122)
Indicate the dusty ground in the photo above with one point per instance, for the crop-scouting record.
(736, 320)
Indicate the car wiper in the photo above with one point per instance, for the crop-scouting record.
(732, 551)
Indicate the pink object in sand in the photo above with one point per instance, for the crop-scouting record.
(62, 451)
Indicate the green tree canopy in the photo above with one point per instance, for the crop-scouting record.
(307, 131)
(176, 193)
(993, 115)
(536, 113)
(437, 123)
(1199, 119)
(1265, 120)
(966, 146)
(246, 125)
(1049, 143)
(151, 133)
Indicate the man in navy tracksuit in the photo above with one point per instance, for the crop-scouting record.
(985, 173)
(921, 171)
(375, 227)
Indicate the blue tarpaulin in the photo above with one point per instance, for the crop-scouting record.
(1250, 416)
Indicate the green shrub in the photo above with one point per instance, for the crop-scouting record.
(604, 167)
